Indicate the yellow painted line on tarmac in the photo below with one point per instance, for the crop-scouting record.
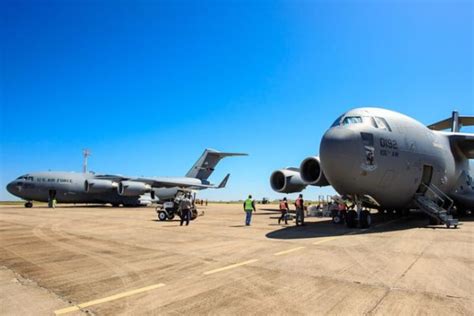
(232, 266)
(326, 239)
(107, 299)
(288, 251)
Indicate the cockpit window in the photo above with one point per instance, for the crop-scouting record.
(26, 178)
(352, 120)
(382, 124)
(337, 121)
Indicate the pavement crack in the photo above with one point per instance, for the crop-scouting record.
(387, 291)
(413, 263)
(29, 282)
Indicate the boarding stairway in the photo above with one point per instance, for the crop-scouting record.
(437, 205)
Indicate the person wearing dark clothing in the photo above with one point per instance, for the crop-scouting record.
(299, 203)
(185, 205)
(284, 209)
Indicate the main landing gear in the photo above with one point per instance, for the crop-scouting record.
(361, 217)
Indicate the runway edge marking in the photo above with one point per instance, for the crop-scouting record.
(230, 266)
(107, 299)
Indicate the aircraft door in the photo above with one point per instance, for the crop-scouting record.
(426, 177)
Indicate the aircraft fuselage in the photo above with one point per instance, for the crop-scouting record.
(388, 163)
(65, 187)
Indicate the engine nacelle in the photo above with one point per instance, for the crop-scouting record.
(287, 181)
(99, 185)
(166, 193)
(312, 173)
(133, 188)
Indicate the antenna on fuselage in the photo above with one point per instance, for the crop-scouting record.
(86, 153)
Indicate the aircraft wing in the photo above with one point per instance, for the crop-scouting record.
(181, 182)
(171, 183)
(463, 143)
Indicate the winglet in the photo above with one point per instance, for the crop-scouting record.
(223, 182)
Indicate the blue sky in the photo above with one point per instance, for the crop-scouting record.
(148, 85)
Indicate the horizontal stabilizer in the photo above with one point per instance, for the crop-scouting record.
(454, 123)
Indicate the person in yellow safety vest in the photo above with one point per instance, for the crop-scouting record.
(249, 206)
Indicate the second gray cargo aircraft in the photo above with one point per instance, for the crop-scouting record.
(389, 161)
(71, 187)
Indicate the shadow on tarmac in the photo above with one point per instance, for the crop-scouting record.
(380, 223)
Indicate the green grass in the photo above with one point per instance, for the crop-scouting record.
(11, 202)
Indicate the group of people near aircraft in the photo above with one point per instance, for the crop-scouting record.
(299, 210)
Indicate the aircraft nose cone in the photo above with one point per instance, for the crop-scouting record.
(340, 151)
(12, 188)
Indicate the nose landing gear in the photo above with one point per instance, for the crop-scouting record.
(28, 204)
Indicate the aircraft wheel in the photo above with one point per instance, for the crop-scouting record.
(28, 205)
(461, 212)
(351, 219)
(365, 219)
(162, 216)
(434, 221)
(194, 214)
(336, 219)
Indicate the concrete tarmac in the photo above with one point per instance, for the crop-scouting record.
(122, 261)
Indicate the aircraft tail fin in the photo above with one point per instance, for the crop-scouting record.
(206, 164)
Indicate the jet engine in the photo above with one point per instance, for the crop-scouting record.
(287, 180)
(312, 173)
(99, 185)
(133, 188)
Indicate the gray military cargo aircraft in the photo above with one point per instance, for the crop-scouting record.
(71, 187)
(382, 159)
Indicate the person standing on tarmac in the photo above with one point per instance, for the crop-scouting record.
(249, 207)
(299, 203)
(284, 209)
(185, 205)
